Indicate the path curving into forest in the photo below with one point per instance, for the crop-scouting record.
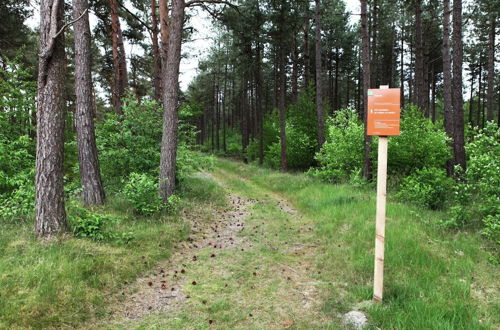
(249, 264)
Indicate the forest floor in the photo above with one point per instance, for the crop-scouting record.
(249, 264)
(288, 252)
(253, 249)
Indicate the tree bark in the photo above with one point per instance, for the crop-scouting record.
(480, 88)
(367, 170)
(295, 70)
(307, 60)
(170, 102)
(458, 102)
(50, 212)
(282, 89)
(90, 175)
(471, 98)
(419, 57)
(491, 68)
(156, 53)
(224, 111)
(402, 82)
(120, 83)
(447, 80)
(258, 101)
(319, 71)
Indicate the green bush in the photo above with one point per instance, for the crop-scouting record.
(301, 134)
(142, 193)
(422, 144)
(478, 194)
(300, 150)
(342, 154)
(130, 142)
(18, 205)
(190, 161)
(428, 187)
(87, 224)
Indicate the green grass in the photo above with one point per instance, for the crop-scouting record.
(70, 281)
(434, 278)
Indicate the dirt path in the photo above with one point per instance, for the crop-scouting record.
(250, 264)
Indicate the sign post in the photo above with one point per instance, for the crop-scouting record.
(383, 121)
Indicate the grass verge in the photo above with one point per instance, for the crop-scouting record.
(434, 278)
(69, 281)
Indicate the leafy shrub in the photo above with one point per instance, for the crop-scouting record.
(94, 226)
(17, 100)
(18, 205)
(300, 150)
(422, 144)
(130, 142)
(142, 193)
(342, 154)
(301, 134)
(428, 187)
(478, 194)
(189, 161)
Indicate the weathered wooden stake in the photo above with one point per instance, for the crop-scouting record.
(378, 283)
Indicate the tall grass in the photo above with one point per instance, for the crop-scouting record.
(434, 278)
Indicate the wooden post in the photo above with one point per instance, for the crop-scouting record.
(378, 283)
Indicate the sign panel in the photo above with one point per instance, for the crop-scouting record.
(384, 110)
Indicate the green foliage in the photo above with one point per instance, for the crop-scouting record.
(478, 194)
(427, 187)
(342, 154)
(190, 161)
(130, 142)
(421, 144)
(301, 135)
(18, 205)
(300, 150)
(17, 101)
(95, 226)
(142, 193)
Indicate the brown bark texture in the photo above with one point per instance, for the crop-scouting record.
(49, 204)
(90, 175)
(447, 79)
(170, 101)
(491, 68)
(156, 53)
(120, 82)
(458, 102)
(282, 92)
(367, 170)
(319, 97)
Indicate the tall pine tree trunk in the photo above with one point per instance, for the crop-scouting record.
(419, 56)
(295, 70)
(367, 168)
(90, 175)
(491, 67)
(171, 101)
(307, 59)
(120, 82)
(319, 71)
(458, 102)
(479, 89)
(50, 212)
(258, 101)
(447, 80)
(156, 53)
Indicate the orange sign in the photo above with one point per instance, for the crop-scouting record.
(384, 110)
